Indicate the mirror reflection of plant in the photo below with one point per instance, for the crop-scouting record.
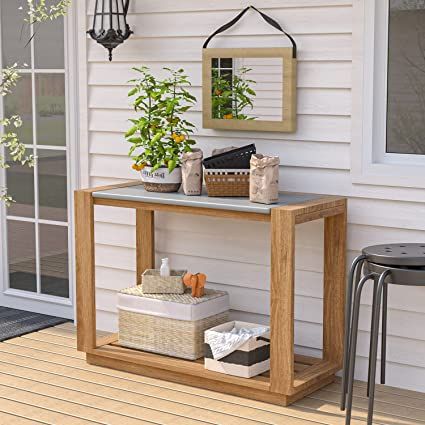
(161, 133)
(222, 96)
(232, 94)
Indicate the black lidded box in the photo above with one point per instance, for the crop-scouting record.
(235, 159)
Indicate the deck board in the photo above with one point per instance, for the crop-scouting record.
(12, 418)
(43, 379)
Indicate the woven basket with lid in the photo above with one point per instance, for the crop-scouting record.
(170, 324)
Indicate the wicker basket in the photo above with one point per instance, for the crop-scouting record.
(177, 338)
(154, 283)
(169, 324)
(232, 182)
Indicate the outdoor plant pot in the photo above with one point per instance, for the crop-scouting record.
(161, 180)
(165, 135)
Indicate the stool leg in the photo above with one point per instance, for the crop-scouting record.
(353, 345)
(384, 331)
(377, 308)
(372, 325)
(353, 280)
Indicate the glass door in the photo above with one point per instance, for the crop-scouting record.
(35, 228)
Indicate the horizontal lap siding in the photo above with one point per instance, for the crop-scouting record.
(316, 159)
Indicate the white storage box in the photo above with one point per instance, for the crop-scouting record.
(169, 324)
(250, 359)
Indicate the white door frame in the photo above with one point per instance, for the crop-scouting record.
(42, 303)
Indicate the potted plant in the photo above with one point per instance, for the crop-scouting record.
(161, 135)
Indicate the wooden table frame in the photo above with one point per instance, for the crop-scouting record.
(291, 376)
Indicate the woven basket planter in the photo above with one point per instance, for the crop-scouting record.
(227, 182)
(161, 180)
(169, 324)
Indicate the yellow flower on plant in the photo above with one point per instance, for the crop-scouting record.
(138, 167)
(178, 138)
(228, 116)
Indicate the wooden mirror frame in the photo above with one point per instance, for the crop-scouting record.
(289, 90)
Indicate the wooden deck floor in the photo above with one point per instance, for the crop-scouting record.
(43, 379)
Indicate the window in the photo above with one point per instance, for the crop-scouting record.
(388, 119)
(406, 77)
(35, 230)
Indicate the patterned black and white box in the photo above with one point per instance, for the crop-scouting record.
(250, 359)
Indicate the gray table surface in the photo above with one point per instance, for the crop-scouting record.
(139, 194)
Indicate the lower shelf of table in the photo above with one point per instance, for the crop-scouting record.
(311, 373)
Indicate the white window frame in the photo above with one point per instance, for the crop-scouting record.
(371, 164)
(42, 303)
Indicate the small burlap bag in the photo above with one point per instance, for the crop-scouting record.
(192, 172)
(264, 179)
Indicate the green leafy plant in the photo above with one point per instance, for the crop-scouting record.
(37, 12)
(9, 138)
(161, 135)
(232, 94)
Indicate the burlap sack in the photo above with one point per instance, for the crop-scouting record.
(192, 172)
(264, 179)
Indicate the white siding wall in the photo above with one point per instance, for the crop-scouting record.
(316, 158)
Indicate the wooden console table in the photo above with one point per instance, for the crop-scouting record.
(291, 376)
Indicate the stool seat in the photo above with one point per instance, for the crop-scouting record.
(411, 276)
(397, 255)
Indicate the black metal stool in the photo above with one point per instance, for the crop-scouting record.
(397, 264)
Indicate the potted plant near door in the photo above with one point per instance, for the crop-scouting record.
(161, 135)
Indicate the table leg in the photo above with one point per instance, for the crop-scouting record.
(85, 270)
(145, 241)
(282, 301)
(334, 287)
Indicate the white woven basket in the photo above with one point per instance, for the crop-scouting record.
(169, 324)
(177, 338)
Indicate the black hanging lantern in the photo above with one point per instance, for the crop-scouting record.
(110, 27)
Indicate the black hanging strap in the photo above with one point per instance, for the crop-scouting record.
(125, 7)
(267, 18)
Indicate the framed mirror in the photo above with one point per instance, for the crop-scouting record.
(249, 89)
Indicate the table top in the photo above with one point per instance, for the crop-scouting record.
(139, 194)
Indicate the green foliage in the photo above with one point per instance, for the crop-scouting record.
(9, 78)
(161, 135)
(9, 138)
(38, 11)
(232, 94)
